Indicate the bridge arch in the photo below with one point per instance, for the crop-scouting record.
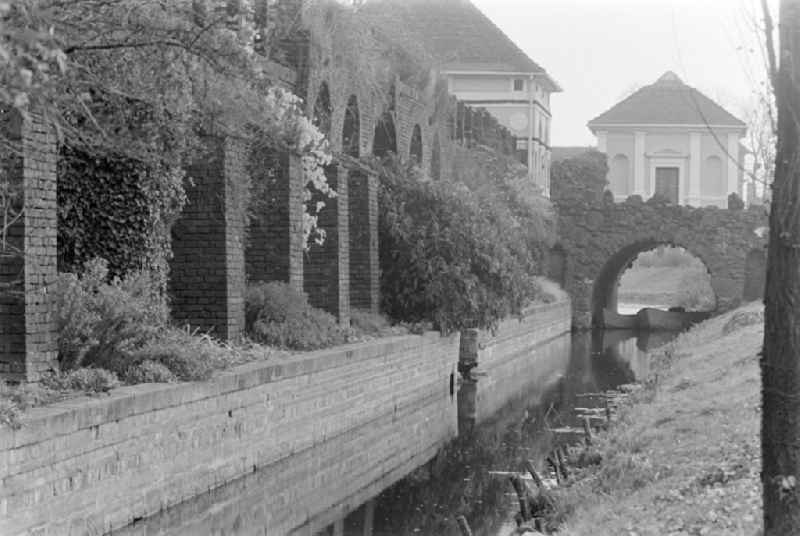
(323, 111)
(601, 237)
(385, 138)
(606, 283)
(351, 129)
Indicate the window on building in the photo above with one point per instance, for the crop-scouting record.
(519, 84)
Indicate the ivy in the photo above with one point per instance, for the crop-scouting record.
(115, 208)
(581, 178)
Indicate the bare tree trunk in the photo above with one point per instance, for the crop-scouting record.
(780, 366)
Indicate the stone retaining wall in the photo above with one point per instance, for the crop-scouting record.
(503, 364)
(321, 432)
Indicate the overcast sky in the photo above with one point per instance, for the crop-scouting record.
(600, 50)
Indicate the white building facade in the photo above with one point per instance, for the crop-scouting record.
(520, 101)
(669, 139)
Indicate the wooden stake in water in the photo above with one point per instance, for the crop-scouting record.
(463, 526)
(522, 497)
(587, 430)
(562, 463)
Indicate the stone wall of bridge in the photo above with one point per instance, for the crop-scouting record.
(599, 240)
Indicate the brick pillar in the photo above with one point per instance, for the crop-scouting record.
(207, 270)
(327, 266)
(364, 267)
(27, 329)
(275, 242)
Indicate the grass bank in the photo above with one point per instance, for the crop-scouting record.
(684, 457)
(687, 286)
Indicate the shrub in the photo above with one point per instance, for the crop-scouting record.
(278, 315)
(188, 356)
(99, 321)
(122, 326)
(149, 372)
(550, 291)
(90, 380)
(451, 255)
(366, 323)
(15, 399)
(668, 256)
(581, 178)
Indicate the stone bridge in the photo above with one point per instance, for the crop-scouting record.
(599, 239)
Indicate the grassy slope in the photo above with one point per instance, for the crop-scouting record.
(685, 459)
(664, 284)
(652, 279)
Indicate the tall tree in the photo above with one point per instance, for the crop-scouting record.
(780, 365)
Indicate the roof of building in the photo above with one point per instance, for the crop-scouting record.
(668, 101)
(461, 37)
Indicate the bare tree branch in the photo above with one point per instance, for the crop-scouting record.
(769, 28)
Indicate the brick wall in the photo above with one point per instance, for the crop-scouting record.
(503, 364)
(326, 276)
(275, 242)
(27, 329)
(364, 267)
(207, 270)
(317, 432)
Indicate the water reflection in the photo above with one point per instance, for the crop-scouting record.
(458, 481)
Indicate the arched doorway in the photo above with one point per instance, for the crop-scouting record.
(320, 266)
(385, 138)
(323, 110)
(351, 132)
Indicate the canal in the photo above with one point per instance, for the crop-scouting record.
(459, 479)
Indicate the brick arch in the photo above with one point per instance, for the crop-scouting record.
(322, 110)
(415, 149)
(384, 139)
(351, 128)
(601, 238)
(343, 94)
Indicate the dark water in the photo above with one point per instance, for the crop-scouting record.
(458, 481)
